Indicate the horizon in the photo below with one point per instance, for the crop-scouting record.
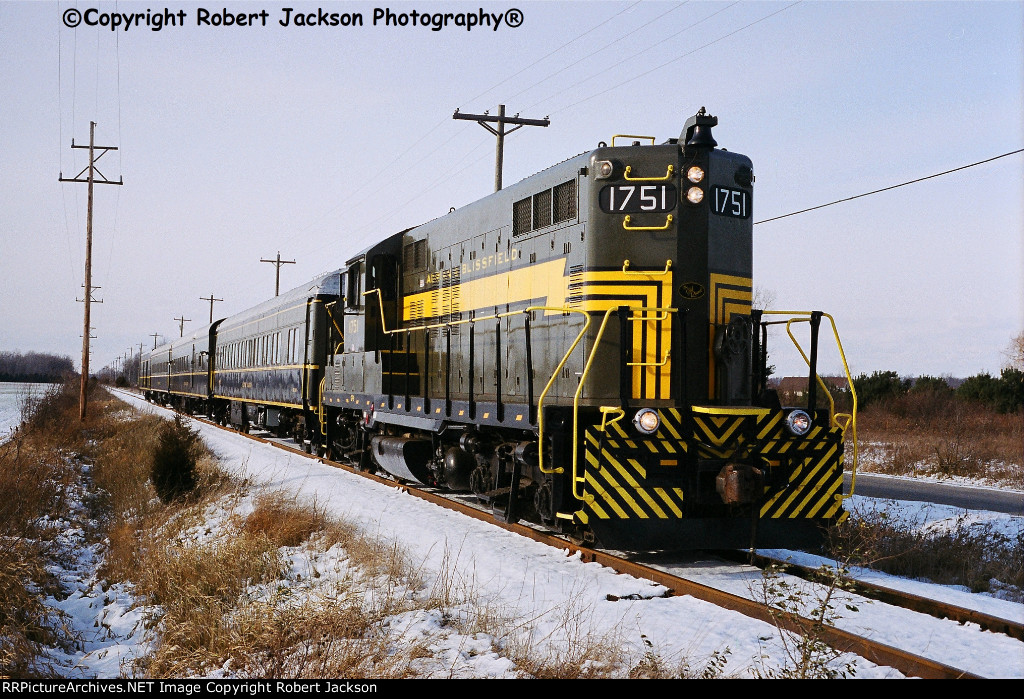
(238, 143)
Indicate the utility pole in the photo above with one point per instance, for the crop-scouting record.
(182, 322)
(277, 277)
(211, 300)
(500, 132)
(90, 180)
(154, 336)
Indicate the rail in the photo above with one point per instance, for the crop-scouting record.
(881, 654)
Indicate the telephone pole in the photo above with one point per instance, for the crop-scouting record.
(154, 336)
(90, 180)
(182, 322)
(500, 132)
(211, 300)
(277, 277)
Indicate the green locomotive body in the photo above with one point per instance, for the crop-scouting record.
(577, 350)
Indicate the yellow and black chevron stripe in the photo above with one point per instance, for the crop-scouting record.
(722, 431)
(651, 331)
(617, 483)
(730, 294)
(551, 284)
(619, 486)
(814, 490)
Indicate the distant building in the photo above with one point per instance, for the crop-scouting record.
(797, 385)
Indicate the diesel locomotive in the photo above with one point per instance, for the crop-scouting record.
(577, 350)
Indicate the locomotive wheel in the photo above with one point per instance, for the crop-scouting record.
(542, 503)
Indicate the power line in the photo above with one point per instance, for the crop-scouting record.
(602, 48)
(886, 189)
(367, 181)
(634, 78)
(552, 53)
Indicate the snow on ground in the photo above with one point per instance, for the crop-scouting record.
(12, 397)
(106, 619)
(527, 580)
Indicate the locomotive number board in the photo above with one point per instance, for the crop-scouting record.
(636, 198)
(730, 202)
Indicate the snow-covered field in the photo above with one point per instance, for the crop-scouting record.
(529, 581)
(12, 397)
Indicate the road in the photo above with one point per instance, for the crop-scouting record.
(968, 497)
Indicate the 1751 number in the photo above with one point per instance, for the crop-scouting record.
(730, 202)
(634, 198)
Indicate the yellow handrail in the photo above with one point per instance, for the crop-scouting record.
(668, 175)
(320, 412)
(663, 362)
(540, 401)
(851, 417)
(605, 410)
(817, 378)
(576, 408)
(668, 267)
(327, 307)
(656, 318)
(554, 374)
(493, 316)
(626, 226)
(624, 135)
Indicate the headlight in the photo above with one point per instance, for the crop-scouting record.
(798, 422)
(695, 195)
(695, 174)
(605, 168)
(647, 421)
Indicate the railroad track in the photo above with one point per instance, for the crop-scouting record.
(906, 600)
(881, 654)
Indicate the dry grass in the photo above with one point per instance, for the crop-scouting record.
(231, 602)
(38, 468)
(238, 603)
(275, 589)
(25, 623)
(931, 434)
(972, 554)
(934, 434)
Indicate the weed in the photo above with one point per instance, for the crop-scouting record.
(174, 460)
(960, 551)
(808, 609)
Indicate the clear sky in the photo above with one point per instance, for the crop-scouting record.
(239, 142)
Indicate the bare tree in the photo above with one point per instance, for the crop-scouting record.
(1015, 352)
